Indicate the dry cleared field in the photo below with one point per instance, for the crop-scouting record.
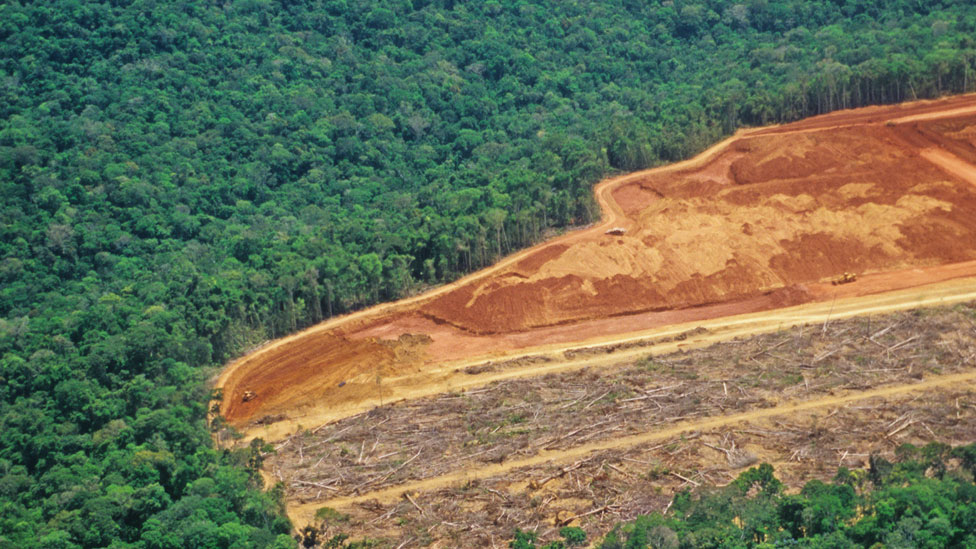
(596, 446)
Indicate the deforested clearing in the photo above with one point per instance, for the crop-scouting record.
(882, 198)
(547, 451)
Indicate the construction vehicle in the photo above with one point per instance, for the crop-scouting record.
(845, 278)
(248, 395)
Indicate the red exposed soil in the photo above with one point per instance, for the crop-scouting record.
(763, 220)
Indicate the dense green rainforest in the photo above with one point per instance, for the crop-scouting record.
(181, 180)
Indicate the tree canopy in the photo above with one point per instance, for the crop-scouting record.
(919, 501)
(183, 180)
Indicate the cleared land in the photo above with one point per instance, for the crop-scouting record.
(762, 221)
(544, 451)
(542, 391)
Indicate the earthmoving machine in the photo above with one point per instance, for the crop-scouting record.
(248, 395)
(845, 278)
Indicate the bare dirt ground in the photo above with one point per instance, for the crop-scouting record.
(759, 222)
(595, 446)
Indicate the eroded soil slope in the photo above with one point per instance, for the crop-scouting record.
(765, 219)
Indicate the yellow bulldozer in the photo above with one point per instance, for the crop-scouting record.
(845, 278)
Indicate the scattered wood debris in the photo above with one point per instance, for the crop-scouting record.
(518, 418)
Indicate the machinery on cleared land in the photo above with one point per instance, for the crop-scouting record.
(248, 395)
(845, 278)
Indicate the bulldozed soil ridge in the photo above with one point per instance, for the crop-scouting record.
(763, 220)
(626, 438)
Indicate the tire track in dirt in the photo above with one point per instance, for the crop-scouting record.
(810, 125)
(951, 164)
(390, 494)
(961, 111)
